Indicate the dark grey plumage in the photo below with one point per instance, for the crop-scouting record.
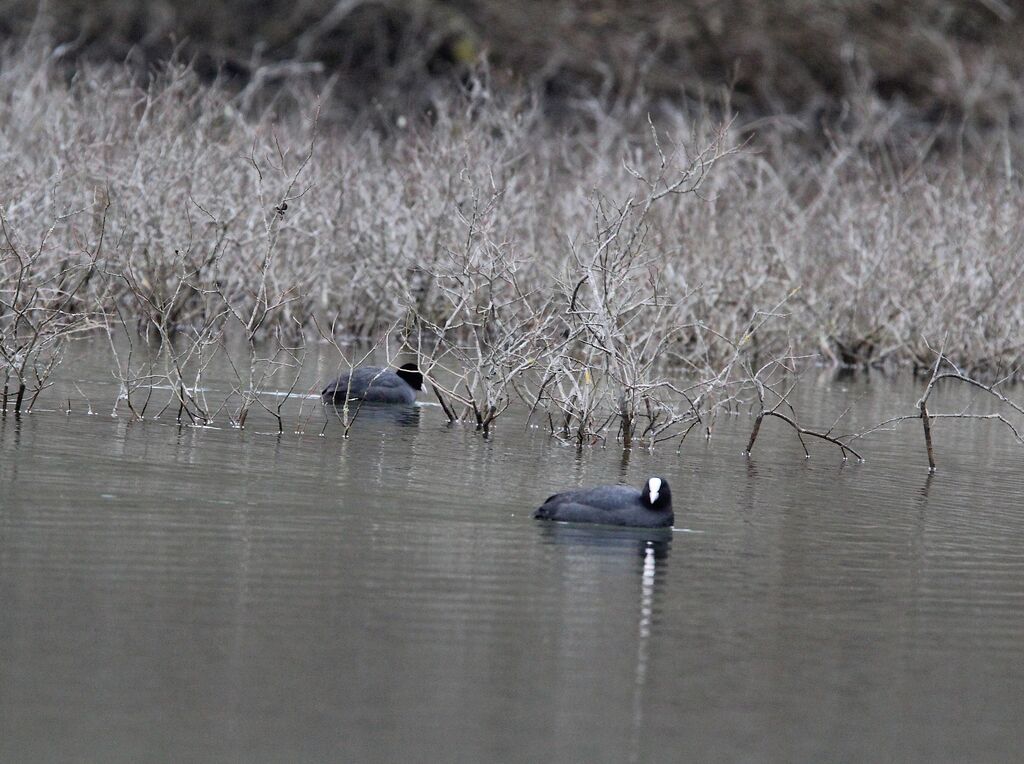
(613, 505)
(374, 384)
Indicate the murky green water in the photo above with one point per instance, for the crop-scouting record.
(181, 594)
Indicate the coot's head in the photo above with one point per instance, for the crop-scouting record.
(656, 494)
(410, 372)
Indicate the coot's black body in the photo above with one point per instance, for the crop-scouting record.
(374, 384)
(650, 507)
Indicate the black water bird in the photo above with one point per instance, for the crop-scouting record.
(650, 507)
(375, 384)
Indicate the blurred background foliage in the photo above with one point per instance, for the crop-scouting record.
(956, 62)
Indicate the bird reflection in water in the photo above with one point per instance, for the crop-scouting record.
(374, 414)
(651, 547)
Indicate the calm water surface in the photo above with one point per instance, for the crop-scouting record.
(193, 594)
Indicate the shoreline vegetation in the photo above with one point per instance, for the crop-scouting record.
(625, 277)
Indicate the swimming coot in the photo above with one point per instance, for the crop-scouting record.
(374, 384)
(613, 505)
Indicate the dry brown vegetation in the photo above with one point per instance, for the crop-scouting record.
(795, 61)
(620, 280)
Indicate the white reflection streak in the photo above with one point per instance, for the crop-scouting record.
(640, 676)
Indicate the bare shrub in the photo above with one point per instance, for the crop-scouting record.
(619, 311)
(41, 306)
(944, 369)
(482, 326)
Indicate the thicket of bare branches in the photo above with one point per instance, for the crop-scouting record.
(619, 283)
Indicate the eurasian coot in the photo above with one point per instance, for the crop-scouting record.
(650, 507)
(374, 384)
